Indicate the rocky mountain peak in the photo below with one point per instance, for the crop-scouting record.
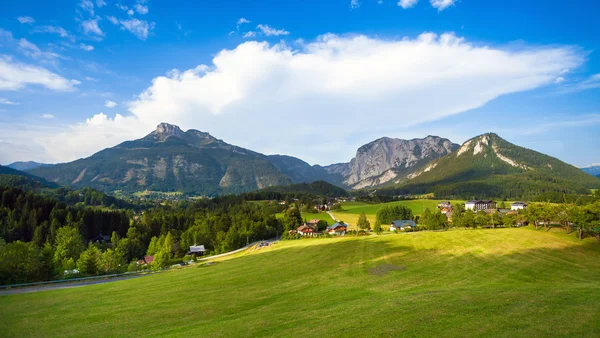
(167, 130)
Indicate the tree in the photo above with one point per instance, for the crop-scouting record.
(509, 220)
(322, 225)
(69, 244)
(89, 261)
(110, 261)
(377, 228)
(292, 219)
(363, 223)
(388, 213)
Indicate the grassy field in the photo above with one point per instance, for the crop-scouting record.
(500, 283)
(353, 209)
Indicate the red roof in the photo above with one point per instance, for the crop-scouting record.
(149, 259)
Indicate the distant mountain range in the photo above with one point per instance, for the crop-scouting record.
(27, 165)
(592, 170)
(488, 165)
(169, 159)
(195, 162)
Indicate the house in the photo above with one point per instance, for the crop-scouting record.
(337, 228)
(445, 210)
(306, 230)
(518, 206)
(196, 250)
(148, 259)
(478, 205)
(402, 225)
(445, 204)
(100, 239)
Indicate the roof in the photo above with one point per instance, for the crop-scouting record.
(402, 223)
(314, 221)
(444, 202)
(197, 248)
(304, 228)
(337, 224)
(149, 259)
(519, 203)
(479, 201)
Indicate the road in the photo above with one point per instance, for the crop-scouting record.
(66, 285)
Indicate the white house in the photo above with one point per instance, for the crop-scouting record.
(479, 205)
(402, 225)
(518, 206)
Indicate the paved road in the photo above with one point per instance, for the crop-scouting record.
(65, 285)
(330, 214)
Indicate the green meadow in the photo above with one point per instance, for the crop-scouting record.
(494, 283)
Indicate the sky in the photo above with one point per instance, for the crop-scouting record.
(311, 79)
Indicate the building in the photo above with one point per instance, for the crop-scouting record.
(306, 230)
(148, 259)
(402, 225)
(446, 210)
(518, 206)
(479, 205)
(337, 228)
(197, 250)
(445, 204)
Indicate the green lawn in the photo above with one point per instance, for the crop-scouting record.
(353, 209)
(495, 283)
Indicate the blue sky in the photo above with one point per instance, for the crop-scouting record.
(312, 79)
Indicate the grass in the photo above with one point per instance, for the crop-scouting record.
(495, 283)
(353, 209)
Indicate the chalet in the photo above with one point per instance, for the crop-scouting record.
(306, 230)
(478, 205)
(100, 239)
(337, 228)
(445, 204)
(402, 225)
(197, 250)
(446, 210)
(148, 259)
(518, 206)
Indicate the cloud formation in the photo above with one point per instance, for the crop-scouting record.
(110, 104)
(90, 27)
(15, 76)
(47, 116)
(270, 31)
(52, 30)
(26, 19)
(244, 94)
(7, 102)
(85, 47)
(407, 3)
(442, 4)
(140, 28)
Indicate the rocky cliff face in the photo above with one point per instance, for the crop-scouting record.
(390, 159)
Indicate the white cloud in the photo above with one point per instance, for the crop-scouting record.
(139, 28)
(354, 4)
(26, 19)
(47, 116)
(7, 102)
(30, 49)
(592, 82)
(334, 80)
(270, 31)
(112, 19)
(87, 5)
(249, 34)
(14, 76)
(559, 80)
(442, 4)
(86, 47)
(141, 9)
(100, 3)
(91, 27)
(89, 78)
(110, 104)
(240, 22)
(52, 30)
(407, 3)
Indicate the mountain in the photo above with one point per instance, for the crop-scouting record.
(19, 179)
(27, 165)
(319, 188)
(390, 160)
(489, 166)
(169, 159)
(592, 170)
(302, 172)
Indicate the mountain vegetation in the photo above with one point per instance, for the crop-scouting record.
(488, 166)
(16, 178)
(319, 188)
(22, 166)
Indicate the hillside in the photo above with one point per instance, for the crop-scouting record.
(302, 172)
(489, 166)
(387, 160)
(27, 165)
(169, 159)
(493, 283)
(16, 178)
(319, 188)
